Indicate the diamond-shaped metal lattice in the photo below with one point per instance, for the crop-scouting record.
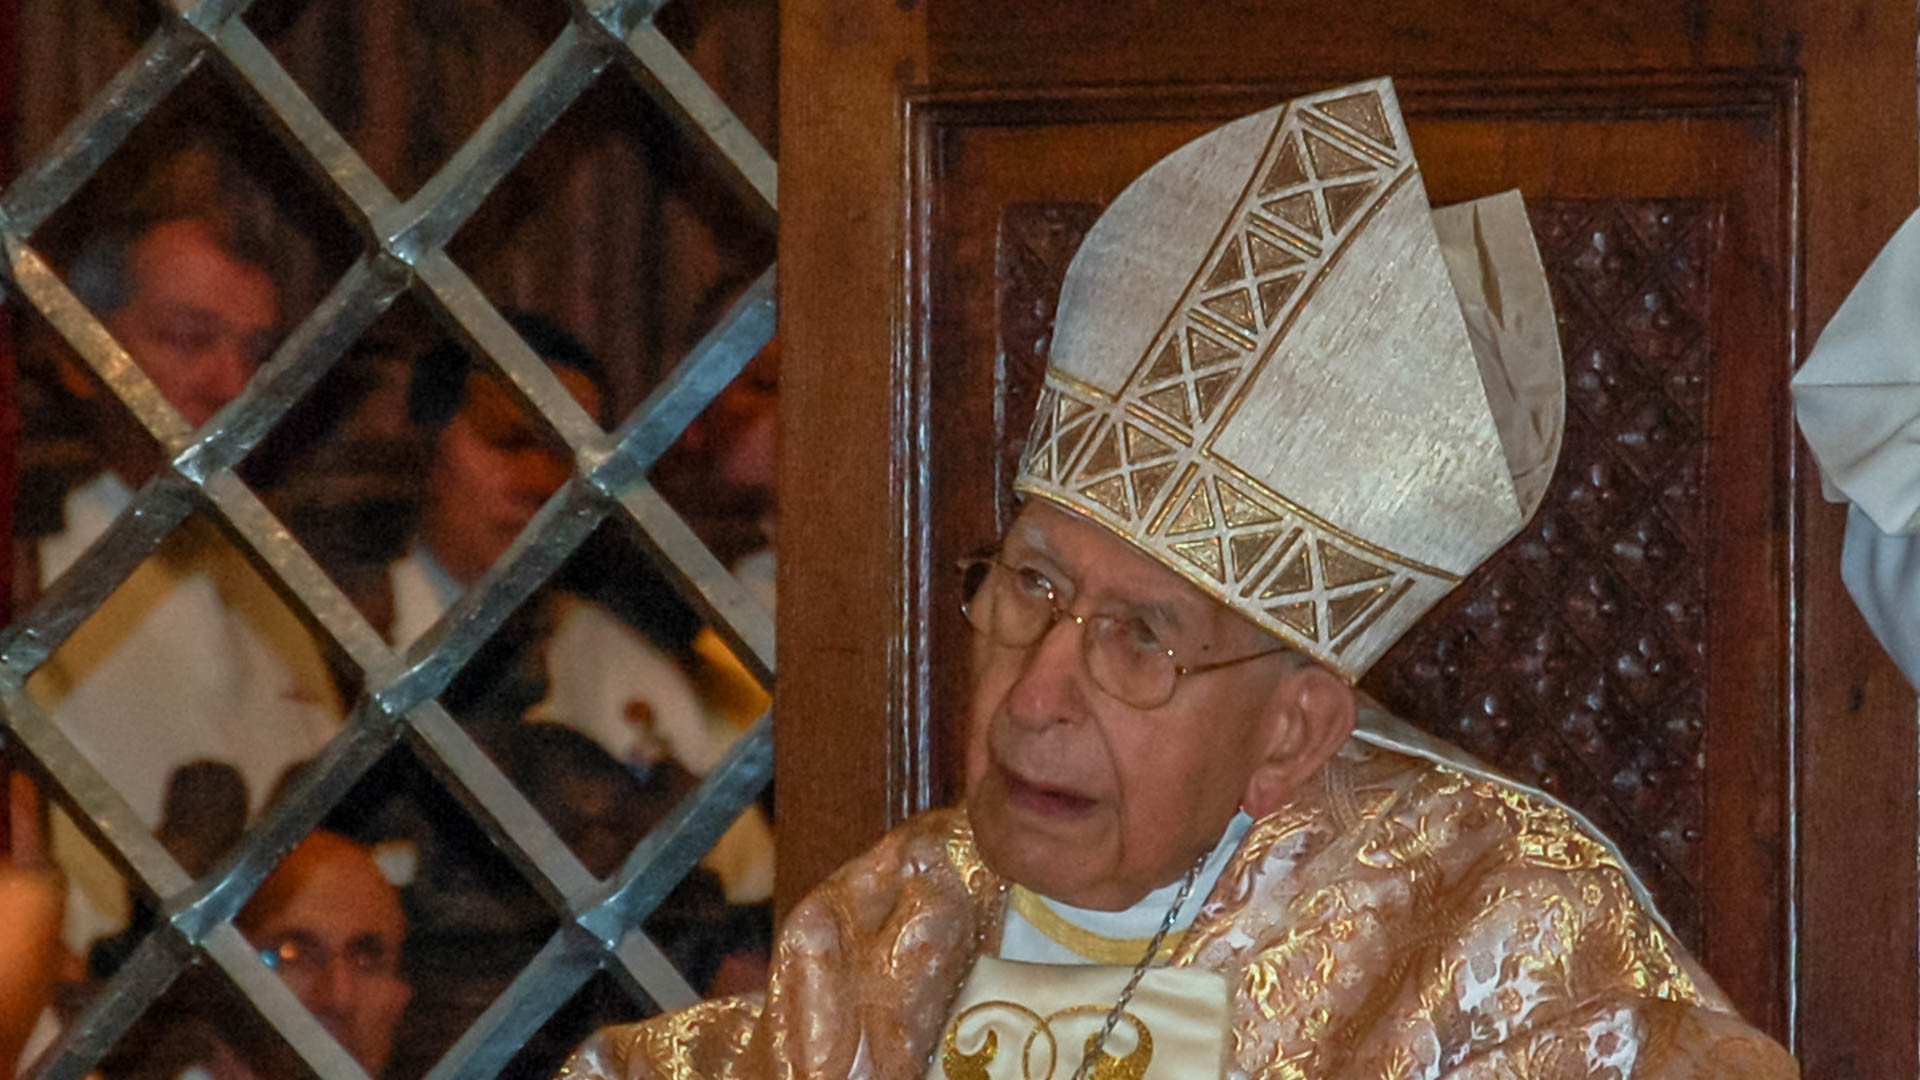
(406, 250)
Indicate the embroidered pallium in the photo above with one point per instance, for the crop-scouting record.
(1039, 1050)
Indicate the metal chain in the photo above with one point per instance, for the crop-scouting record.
(1140, 969)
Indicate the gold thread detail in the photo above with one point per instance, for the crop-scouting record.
(1298, 616)
(1112, 494)
(1171, 402)
(1342, 610)
(1345, 200)
(1148, 482)
(1240, 341)
(1160, 519)
(1339, 569)
(1204, 554)
(1211, 390)
(1373, 616)
(1228, 270)
(1324, 527)
(1143, 446)
(1236, 307)
(1167, 367)
(1099, 948)
(1084, 389)
(1249, 548)
(1260, 226)
(1105, 456)
(1363, 113)
(1297, 210)
(1293, 577)
(1289, 167)
(1275, 293)
(1241, 510)
(1331, 161)
(1312, 123)
(1195, 514)
(1159, 425)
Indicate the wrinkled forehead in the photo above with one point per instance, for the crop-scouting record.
(1102, 565)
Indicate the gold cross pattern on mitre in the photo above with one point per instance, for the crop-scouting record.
(1279, 373)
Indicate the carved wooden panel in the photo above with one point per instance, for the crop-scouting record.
(1573, 659)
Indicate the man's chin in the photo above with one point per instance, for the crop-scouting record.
(1043, 855)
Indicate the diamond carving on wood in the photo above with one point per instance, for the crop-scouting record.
(1575, 658)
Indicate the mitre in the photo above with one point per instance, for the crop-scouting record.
(1278, 372)
(1858, 395)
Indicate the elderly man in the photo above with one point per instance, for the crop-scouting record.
(1288, 408)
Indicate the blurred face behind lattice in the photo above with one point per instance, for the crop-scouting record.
(198, 319)
(493, 468)
(332, 926)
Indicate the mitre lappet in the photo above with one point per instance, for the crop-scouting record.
(1282, 374)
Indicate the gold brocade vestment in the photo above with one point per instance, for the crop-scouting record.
(1399, 918)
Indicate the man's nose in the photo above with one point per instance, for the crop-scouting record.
(328, 990)
(1052, 687)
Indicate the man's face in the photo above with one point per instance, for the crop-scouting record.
(493, 468)
(199, 321)
(334, 926)
(1076, 794)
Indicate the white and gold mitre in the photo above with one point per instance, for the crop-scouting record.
(1279, 373)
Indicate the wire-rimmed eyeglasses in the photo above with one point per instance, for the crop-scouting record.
(1017, 606)
(305, 954)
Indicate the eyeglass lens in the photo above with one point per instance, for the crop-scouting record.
(1017, 607)
(367, 954)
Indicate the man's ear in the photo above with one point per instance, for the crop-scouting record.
(1309, 716)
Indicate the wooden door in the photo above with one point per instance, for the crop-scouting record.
(1666, 646)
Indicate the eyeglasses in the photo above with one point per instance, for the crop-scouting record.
(304, 954)
(1017, 606)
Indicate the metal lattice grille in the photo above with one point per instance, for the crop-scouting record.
(405, 251)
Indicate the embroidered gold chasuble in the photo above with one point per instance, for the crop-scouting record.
(1401, 917)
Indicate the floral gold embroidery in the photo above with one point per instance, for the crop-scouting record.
(961, 1064)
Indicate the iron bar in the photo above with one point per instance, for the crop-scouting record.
(489, 1044)
(715, 360)
(146, 975)
(277, 1005)
(406, 244)
(431, 217)
(163, 62)
(673, 84)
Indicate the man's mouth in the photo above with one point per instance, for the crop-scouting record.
(1042, 799)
